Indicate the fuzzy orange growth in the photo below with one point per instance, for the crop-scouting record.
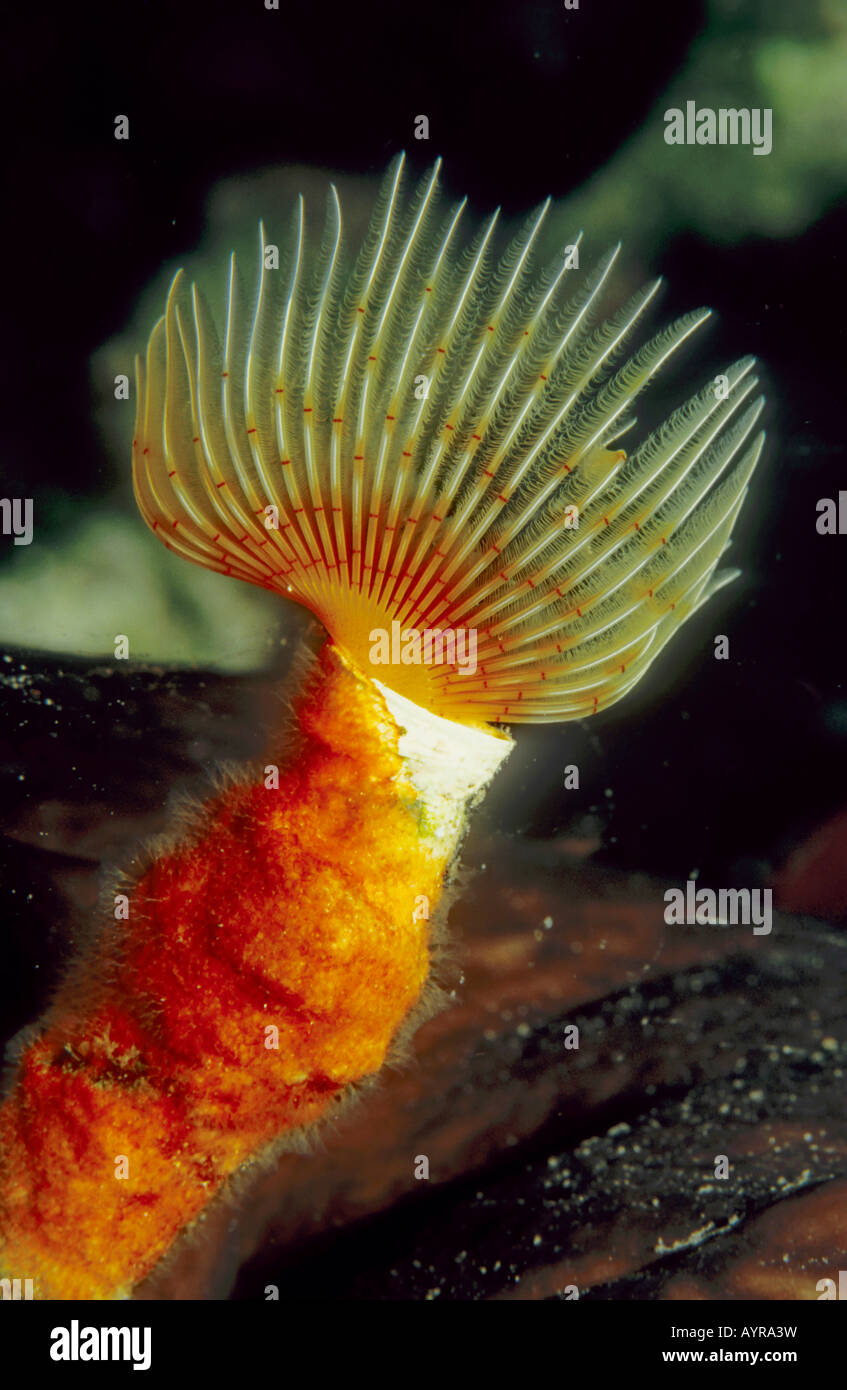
(292, 907)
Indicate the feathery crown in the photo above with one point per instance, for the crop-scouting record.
(422, 436)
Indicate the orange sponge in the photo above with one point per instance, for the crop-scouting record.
(242, 995)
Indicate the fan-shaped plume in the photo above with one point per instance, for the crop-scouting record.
(423, 436)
